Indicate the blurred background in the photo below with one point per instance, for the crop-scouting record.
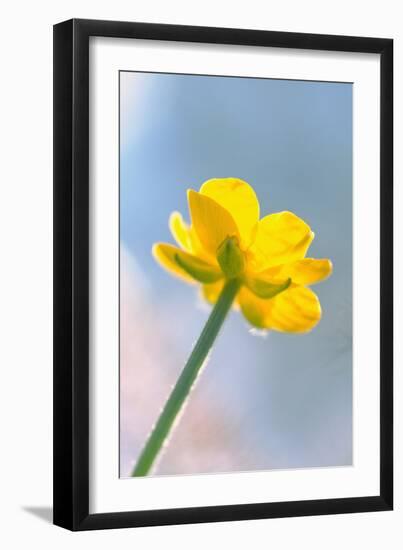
(271, 401)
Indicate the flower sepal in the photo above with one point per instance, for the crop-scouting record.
(231, 258)
(266, 289)
(197, 269)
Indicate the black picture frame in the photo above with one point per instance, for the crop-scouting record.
(71, 274)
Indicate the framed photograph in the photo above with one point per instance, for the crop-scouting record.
(223, 323)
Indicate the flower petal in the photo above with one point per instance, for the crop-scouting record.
(280, 238)
(303, 272)
(295, 310)
(186, 237)
(180, 231)
(239, 199)
(212, 223)
(212, 291)
(184, 265)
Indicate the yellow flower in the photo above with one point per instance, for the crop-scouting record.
(226, 239)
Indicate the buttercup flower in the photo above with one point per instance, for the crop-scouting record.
(227, 240)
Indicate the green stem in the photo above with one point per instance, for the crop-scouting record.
(186, 380)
